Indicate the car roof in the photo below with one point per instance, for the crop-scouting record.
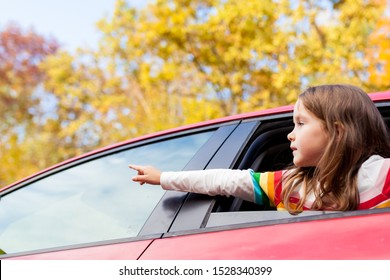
(377, 97)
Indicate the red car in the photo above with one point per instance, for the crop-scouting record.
(88, 207)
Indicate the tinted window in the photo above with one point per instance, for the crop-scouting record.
(93, 201)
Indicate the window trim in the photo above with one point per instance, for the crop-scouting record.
(226, 225)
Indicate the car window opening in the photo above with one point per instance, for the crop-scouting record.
(269, 151)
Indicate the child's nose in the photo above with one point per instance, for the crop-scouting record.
(291, 136)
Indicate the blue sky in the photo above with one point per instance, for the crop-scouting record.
(71, 22)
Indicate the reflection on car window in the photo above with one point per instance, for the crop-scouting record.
(90, 202)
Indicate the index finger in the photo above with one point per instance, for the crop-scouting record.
(135, 167)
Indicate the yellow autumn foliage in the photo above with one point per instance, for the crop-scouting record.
(176, 62)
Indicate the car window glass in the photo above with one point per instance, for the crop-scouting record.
(90, 202)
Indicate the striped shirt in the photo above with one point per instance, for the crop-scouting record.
(266, 188)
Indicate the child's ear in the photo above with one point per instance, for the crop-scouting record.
(340, 129)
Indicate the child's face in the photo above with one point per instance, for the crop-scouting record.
(308, 138)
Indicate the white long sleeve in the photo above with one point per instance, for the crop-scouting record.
(373, 184)
(212, 182)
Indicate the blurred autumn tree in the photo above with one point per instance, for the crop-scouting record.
(378, 56)
(180, 61)
(20, 104)
(156, 67)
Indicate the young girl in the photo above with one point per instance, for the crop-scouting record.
(341, 159)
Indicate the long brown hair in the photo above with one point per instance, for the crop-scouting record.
(356, 131)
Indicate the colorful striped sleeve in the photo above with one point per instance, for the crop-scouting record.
(259, 196)
(267, 187)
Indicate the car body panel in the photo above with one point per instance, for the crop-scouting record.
(358, 237)
(329, 239)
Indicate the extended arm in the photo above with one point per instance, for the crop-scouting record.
(227, 182)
